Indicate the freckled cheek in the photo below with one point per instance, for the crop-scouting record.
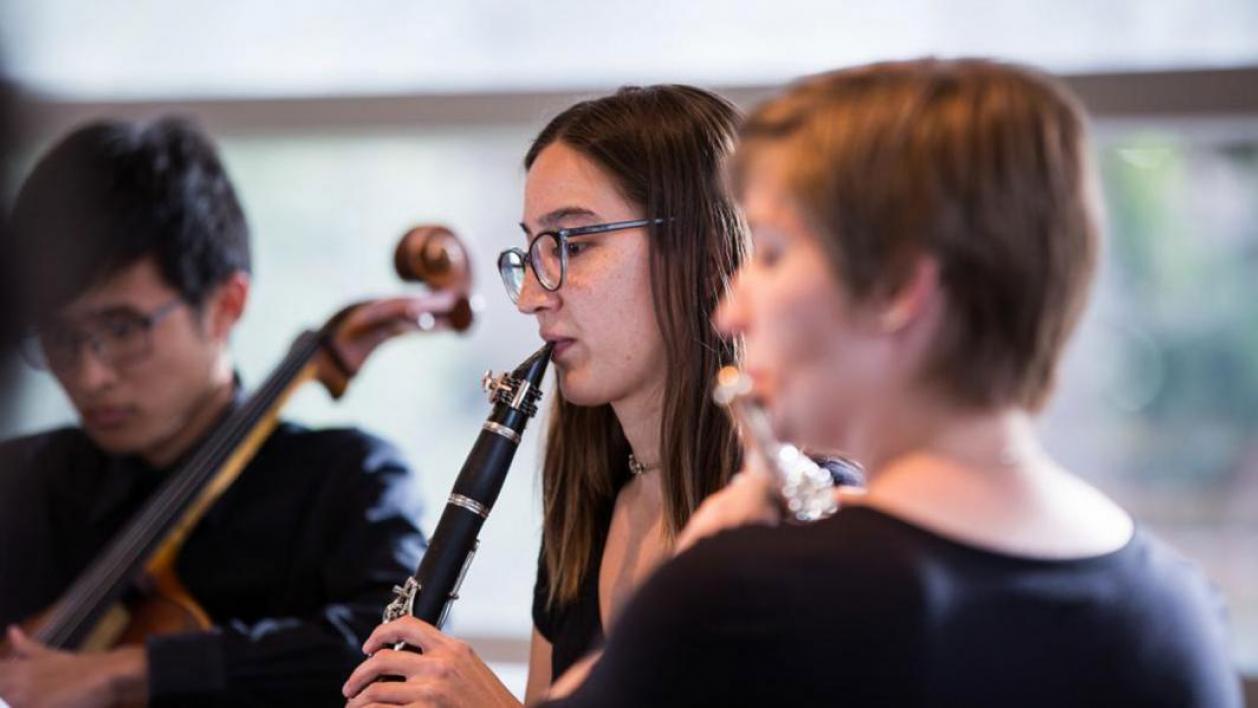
(628, 323)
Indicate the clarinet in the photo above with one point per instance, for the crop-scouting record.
(429, 593)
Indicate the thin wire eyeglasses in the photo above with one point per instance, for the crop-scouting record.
(548, 253)
(115, 338)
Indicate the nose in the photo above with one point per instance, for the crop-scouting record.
(533, 297)
(730, 317)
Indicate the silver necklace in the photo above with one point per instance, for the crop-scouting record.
(637, 469)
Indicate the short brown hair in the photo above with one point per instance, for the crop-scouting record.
(983, 167)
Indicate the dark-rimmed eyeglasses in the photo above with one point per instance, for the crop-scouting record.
(117, 338)
(548, 255)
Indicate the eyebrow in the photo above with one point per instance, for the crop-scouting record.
(552, 219)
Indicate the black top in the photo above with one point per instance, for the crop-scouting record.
(575, 627)
(864, 609)
(294, 563)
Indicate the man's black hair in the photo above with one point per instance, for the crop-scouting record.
(112, 193)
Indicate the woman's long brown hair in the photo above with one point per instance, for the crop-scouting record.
(665, 147)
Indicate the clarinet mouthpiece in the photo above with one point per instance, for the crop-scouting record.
(533, 369)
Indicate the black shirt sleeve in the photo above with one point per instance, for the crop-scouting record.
(31, 575)
(362, 531)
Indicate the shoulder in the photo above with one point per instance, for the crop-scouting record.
(743, 569)
(46, 470)
(1163, 586)
(1157, 600)
(43, 454)
(350, 449)
(45, 442)
(337, 473)
(340, 466)
(848, 535)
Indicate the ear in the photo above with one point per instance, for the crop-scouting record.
(227, 304)
(917, 294)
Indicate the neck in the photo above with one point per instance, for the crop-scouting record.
(208, 408)
(639, 417)
(980, 439)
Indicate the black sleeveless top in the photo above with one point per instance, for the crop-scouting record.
(575, 627)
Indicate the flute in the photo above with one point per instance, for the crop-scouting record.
(806, 489)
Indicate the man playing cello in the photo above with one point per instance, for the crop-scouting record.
(136, 253)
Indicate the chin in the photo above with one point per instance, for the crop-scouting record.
(131, 438)
(804, 419)
(580, 391)
(572, 391)
(117, 442)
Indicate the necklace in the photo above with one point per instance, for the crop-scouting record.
(637, 469)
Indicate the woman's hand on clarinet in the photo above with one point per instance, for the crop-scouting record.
(448, 673)
(749, 498)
